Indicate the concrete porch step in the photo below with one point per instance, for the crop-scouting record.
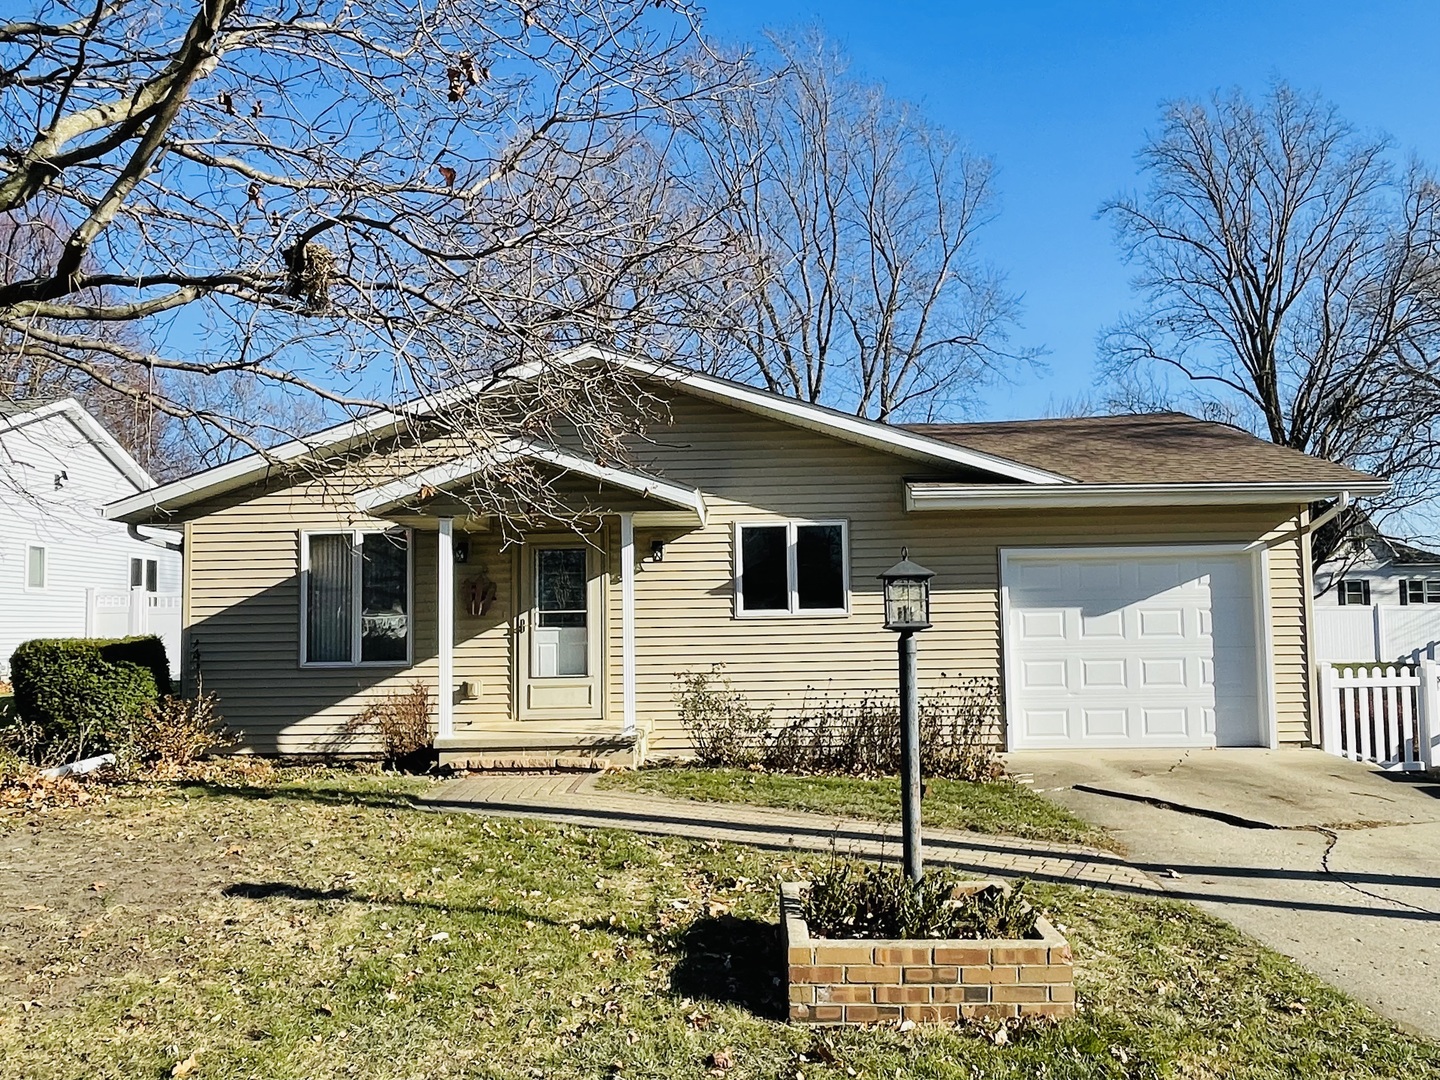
(527, 751)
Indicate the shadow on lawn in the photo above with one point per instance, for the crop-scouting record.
(723, 959)
(732, 961)
(332, 794)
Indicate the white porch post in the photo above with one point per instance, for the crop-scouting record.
(627, 619)
(445, 626)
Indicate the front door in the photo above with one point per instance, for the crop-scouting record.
(559, 639)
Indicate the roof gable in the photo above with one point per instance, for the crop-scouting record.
(894, 440)
(24, 414)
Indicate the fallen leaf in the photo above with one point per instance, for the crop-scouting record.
(721, 1059)
(186, 1067)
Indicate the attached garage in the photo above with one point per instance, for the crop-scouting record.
(1136, 647)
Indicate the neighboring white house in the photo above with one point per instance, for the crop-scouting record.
(1377, 600)
(66, 570)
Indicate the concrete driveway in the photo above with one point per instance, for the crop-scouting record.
(1332, 863)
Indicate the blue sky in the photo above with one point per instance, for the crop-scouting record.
(1061, 95)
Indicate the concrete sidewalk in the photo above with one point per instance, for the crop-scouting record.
(575, 800)
(1333, 863)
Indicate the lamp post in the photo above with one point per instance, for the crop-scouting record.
(907, 611)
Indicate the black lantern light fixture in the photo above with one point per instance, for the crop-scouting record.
(907, 610)
(907, 595)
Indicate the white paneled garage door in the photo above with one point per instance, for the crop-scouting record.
(1149, 648)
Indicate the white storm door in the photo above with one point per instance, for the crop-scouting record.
(1154, 650)
(560, 646)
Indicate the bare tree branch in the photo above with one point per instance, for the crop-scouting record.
(1289, 277)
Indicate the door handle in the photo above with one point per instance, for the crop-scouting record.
(520, 625)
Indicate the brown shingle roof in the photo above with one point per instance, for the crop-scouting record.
(1152, 448)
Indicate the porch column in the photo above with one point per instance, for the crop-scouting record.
(627, 619)
(445, 626)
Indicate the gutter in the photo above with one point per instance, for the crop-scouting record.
(929, 495)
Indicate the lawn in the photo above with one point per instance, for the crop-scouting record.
(1000, 807)
(324, 928)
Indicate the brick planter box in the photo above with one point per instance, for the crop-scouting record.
(864, 981)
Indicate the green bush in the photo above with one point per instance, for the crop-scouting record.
(76, 696)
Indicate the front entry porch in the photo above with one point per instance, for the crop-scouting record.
(534, 663)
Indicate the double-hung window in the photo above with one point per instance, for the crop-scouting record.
(792, 568)
(145, 572)
(356, 603)
(1420, 591)
(1352, 591)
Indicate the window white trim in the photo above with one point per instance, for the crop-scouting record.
(794, 611)
(356, 536)
(44, 568)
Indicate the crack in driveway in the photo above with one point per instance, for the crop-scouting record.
(1331, 833)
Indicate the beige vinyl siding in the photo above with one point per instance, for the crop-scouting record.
(242, 587)
(752, 469)
(243, 617)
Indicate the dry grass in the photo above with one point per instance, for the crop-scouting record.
(323, 928)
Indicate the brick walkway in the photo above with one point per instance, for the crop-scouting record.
(575, 800)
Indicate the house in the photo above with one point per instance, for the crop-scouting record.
(1135, 581)
(1377, 599)
(68, 570)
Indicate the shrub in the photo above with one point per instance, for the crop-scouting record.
(849, 901)
(846, 736)
(400, 720)
(724, 729)
(76, 696)
(174, 732)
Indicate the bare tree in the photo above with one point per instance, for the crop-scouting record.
(1290, 281)
(352, 203)
(855, 280)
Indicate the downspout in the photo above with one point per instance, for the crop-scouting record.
(154, 541)
(1313, 683)
(1341, 504)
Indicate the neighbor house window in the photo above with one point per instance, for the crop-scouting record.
(1354, 592)
(792, 568)
(145, 572)
(356, 597)
(35, 567)
(1420, 591)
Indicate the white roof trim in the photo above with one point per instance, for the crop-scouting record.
(92, 429)
(923, 495)
(251, 467)
(451, 472)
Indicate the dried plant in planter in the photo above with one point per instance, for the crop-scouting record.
(850, 901)
(399, 721)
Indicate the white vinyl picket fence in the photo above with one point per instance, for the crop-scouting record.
(1387, 716)
(122, 614)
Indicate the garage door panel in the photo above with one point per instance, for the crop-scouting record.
(1117, 651)
(1044, 674)
(1042, 625)
(1103, 674)
(1106, 624)
(1047, 724)
(1161, 623)
(1165, 723)
(1106, 724)
(1166, 673)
